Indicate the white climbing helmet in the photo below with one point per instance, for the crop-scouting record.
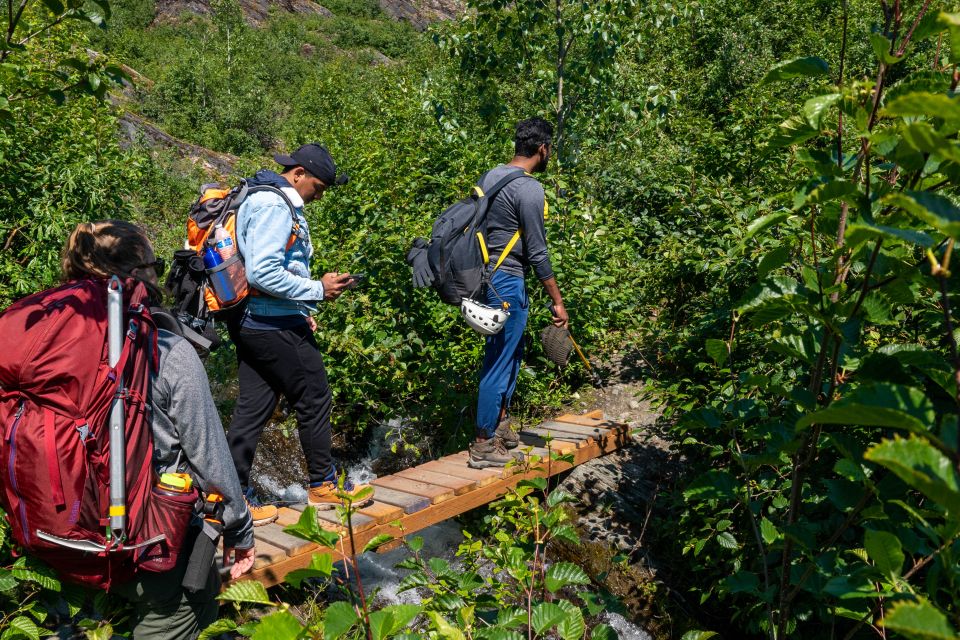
(484, 319)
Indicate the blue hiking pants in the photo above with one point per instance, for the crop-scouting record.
(503, 353)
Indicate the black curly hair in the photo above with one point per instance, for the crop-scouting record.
(530, 134)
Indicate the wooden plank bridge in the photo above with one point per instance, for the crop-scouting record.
(422, 496)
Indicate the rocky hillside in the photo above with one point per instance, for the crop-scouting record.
(419, 13)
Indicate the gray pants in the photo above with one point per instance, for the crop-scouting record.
(164, 610)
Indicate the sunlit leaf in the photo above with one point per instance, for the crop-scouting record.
(546, 615)
(246, 591)
(572, 627)
(377, 542)
(877, 405)
(811, 66)
(922, 103)
(339, 618)
(918, 621)
(279, 625)
(922, 467)
(815, 108)
(391, 619)
(308, 528)
(562, 574)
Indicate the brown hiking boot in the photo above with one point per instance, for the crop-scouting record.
(262, 513)
(491, 453)
(325, 496)
(511, 440)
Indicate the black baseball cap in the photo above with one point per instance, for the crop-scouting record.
(316, 160)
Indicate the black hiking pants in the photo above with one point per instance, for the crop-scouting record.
(271, 363)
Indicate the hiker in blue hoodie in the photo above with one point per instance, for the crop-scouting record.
(274, 336)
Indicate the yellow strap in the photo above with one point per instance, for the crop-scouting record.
(478, 190)
(483, 248)
(118, 511)
(506, 250)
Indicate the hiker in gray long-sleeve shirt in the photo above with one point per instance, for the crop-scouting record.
(187, 438)
(517, 243)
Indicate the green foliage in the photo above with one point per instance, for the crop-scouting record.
(819, 427)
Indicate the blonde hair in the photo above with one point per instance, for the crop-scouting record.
(103, 248)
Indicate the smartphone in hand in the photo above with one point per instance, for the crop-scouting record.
(356, 279)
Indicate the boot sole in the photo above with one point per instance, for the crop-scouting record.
(264, 521)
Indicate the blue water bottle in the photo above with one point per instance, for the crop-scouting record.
(223, 288)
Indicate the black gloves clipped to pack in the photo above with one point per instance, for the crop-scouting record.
(418, 261)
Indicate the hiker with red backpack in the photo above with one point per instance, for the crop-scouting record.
(65, 390)
(277, 353)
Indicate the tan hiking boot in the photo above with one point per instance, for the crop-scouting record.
(491, 453)
(511, 439)
(325, 496)
(262, 513)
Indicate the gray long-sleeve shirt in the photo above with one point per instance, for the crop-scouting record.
(520, 204)
(188, 436)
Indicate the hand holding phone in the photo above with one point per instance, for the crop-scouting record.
(356, 279)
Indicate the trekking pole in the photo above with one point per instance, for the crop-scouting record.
(118, 489)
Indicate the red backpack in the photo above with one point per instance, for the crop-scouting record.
(56, 390)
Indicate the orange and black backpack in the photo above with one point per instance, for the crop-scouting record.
(195, 301)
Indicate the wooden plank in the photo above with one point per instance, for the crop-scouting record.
(277, 537)
(462, 457)
(267, 554)
(569, 427)
(359, 521)
(531, 439)
(564, 445)
(459, 485)
(382, 512)
(483, 477)
(596, 413)
(590, 422)
(579, 439)
(274, 574)
(409, 502)
(274, 562)
(436, 493)
(289, 515)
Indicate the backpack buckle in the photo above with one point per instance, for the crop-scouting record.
(83, 429)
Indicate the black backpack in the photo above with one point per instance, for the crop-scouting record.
(457, 251)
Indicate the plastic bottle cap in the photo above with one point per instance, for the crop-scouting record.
(177, 481)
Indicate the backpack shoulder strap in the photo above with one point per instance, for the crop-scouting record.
(169, 322)
(500, 184)
(482, 214)
(295, 229)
